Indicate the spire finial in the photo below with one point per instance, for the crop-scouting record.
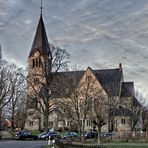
(41, 6)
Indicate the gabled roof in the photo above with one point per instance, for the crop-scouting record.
(110, 80)
(136, 102)
(127, 89)
(40, 42)
(66, 80)
(122, 112)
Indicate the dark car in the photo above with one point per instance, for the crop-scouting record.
(51, 134)
(41, 135)
(105, 134)
(23, 135)
(70, 135)
(91, 135)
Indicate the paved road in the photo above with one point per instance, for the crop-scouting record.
(22, 144)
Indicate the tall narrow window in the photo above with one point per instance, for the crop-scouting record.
(36, 81)
(40, 64)
(123, 121)
(50, 123)
(36, 62)
(87, 123)
(68, 123)
(30, 123)
(33, 63)
(89, 78)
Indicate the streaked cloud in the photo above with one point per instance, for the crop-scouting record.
(97, 33)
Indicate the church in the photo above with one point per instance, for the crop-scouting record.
(109, 81)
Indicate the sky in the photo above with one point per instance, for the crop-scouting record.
(97, 33)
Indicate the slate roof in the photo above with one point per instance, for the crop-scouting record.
(110, 80)
(136, 102)
(66, 80)
(127, 89)
(40, 42)
(122, 112)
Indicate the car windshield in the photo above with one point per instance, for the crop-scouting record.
(51, 133)
(27, 133)
(44, 133)
(71, 133)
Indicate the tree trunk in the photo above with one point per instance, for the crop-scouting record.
(46, 122)
(99, 131)
(83, 126)
(0, 123)
(12, 120)
(39, 124)
(80, 130)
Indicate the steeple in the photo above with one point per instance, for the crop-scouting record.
(41, 6)
(40, 42)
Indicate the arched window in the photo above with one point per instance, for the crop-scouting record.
(33, 63)
(37, 63)
(40, 64)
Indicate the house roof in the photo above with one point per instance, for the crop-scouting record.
(127, 89)
(40, 42)
(110, 80)
(136, 102)
(66, 82)
(122, 111)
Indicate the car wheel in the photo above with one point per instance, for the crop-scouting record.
(20, 138)
(35, 138)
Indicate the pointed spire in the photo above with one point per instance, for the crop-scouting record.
(40, 42)
(41, 6)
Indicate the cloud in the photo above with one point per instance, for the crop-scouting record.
(101, 33)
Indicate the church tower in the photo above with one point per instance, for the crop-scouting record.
(40, 54)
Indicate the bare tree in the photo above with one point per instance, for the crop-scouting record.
(145, 119)
(6, 88)
(113, 103)
(82, 92)
(137, 109)
(20, 113)
(100, 111)
(77, 105)
(19, 86)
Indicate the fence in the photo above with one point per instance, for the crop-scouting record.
(65, 145)
(62, 145)
(127, 136)
(117, 136)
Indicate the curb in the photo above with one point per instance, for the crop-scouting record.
(7, 139)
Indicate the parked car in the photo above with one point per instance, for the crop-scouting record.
(41, 134)
(105, 134)
(70, 135)
(91, 135)
(23, 135)
(52, 134)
